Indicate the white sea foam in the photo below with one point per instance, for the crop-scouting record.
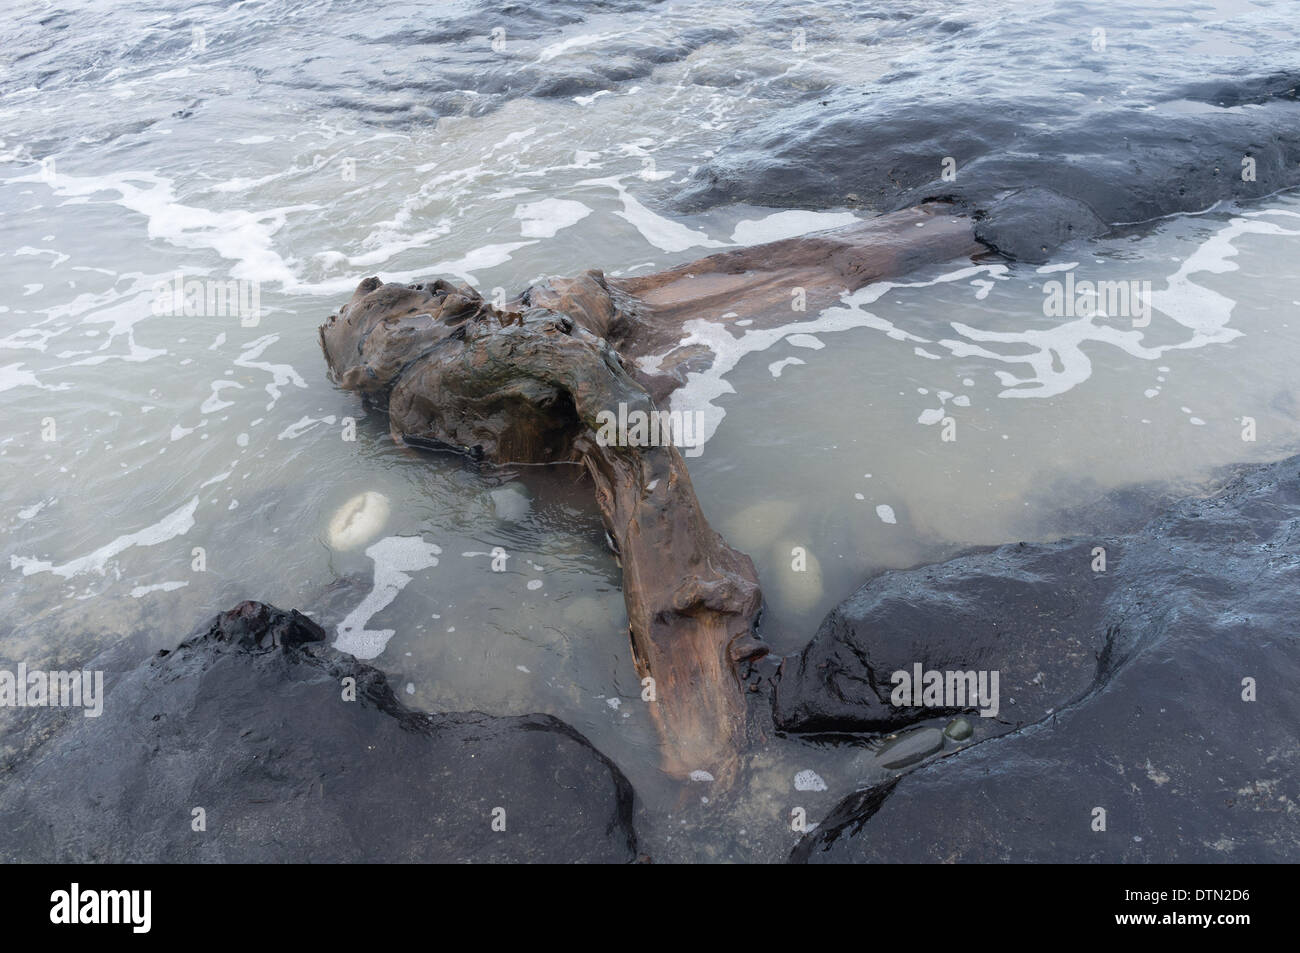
(1204, 311)
(545, 218)
(28, 512)
(394, 557)
(243, 237)
(486, 256)
(776, 367)
(788, 224)
(702, 388)
(214, 403)
(13, 375)
(574, 43)
(176, 523)
(1049, 361)
(140, 591)
(302, 425)
(281, 374)
(663, 233)
(809, 780)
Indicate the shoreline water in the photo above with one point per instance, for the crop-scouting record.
(259, 632)
(170, 465)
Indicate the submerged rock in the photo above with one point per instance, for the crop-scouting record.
(798, 577)
(1035, 170)
(246, 720)
(358, 521)
(959, 729)
(1029, 612)
(910, 748)
(511, 503)
(760, 525)
(1029, 224)
(1186, 746)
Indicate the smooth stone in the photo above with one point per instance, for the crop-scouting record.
(358, 521)
(959, 729)
(799, 591)
(760, 525)
(910, 748)
(511, 503)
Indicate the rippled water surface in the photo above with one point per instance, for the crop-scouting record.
(301, 147)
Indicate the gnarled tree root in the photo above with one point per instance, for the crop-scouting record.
(526, 387)
(526, 383)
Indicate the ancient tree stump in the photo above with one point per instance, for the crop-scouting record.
(526, 387)
(527, 383)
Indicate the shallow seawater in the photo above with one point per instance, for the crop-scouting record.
(162, 467)
(947, 410)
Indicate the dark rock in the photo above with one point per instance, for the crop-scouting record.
(1036, 172)
(910, 748)
(1029, 224)
(1247, 91)
(1030, 612)
(1184, 767)
(246, 719)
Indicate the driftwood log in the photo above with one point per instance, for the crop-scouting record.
(525, 384)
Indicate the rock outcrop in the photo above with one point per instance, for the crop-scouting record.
(1155, 698)
(1035, 171)
(1032, 612)
(248, 721)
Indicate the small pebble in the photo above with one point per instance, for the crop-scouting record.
(959, 729)
(911, 748)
